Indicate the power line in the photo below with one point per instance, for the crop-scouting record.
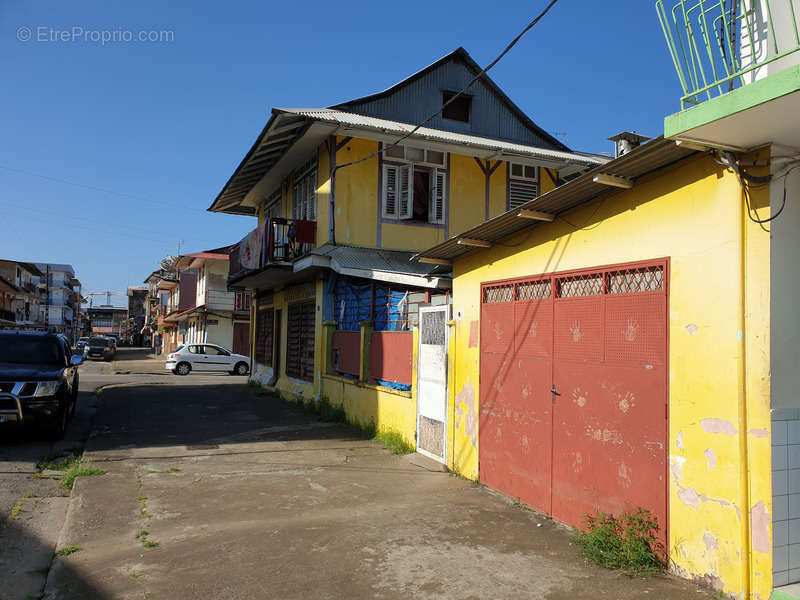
(485, 70)
(99, 189)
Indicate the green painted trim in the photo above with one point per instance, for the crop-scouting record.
(781, 595)
(750, 95)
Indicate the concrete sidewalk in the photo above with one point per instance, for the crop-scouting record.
(247, 497)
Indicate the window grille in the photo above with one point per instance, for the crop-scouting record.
(580, 285)
(498, 293)
(534, 290)
(300, 340)
(432, 328)
(642, 279)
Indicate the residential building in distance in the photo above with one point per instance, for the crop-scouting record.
(62, 293)
(218, 316)
(108, 320)
(341, 211)
(137, 298)
(171, 291)
(28, 312)
(8, 295)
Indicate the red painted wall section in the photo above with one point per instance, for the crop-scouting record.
(346, 352)
(390, 355)
(187, 287)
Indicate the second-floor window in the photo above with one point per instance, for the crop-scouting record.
(414, 185)
(304, 192)
(523, 184)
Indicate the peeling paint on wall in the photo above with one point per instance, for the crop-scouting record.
(710, 541)
(691, 497)
(691, 328)
(679, 443)
(473, 333)
(718, 426)
(760, 523)
(711, 457)
(759, 432)
(467, 412)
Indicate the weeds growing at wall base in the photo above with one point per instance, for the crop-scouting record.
(629, 542)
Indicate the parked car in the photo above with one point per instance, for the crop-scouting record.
(206, 357)
(38, 380)
(101, 348)
(80, 345)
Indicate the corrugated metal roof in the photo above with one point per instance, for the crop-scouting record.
(375, 259)
(385, 126)
(645, 159)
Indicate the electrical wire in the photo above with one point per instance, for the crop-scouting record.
(421, 124)
(730, 161)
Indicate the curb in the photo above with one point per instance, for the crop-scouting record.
(56, 565)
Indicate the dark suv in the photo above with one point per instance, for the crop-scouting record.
(38, 380)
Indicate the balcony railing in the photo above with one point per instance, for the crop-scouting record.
(720, 45)
(281, 241)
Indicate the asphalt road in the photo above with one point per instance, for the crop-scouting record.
(32, 507)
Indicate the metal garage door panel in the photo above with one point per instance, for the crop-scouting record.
(578, 329)
(609, 440)
(533, 328)
(516, 427)
(497, 327)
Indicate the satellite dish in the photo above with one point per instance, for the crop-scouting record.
(168, 262)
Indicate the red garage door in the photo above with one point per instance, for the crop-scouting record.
(574, 390)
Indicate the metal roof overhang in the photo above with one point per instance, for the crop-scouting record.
(292, 135)
(645, 159)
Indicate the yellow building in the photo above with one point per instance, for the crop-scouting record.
(342, 207)
(629, 339)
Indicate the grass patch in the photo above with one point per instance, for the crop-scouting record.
(142, 533)
(98, 391)
(170, 470)
(253, 383)
(67, 550)
(79, 469)
(143, 507)
(30, 495)
(149, 544)
(628, 542)
(135, 575)
(394, 441)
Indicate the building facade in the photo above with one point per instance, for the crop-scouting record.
(336, 299)
(108, 320)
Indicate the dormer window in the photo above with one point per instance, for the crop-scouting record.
(458, 109)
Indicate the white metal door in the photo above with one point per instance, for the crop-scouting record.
(432, 381)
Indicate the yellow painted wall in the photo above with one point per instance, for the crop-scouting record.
(692, 213)
(357, 195)
(497, 191)
(323, 193)
(467, 193)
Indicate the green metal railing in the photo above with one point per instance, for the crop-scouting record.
(717, 44)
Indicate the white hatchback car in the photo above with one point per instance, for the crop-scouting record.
(206, 357)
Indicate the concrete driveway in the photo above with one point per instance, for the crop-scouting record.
(217, 490)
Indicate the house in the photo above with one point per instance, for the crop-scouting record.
(108, 320)
(629, 338)
(8, 294)
(174, 292)
(28, 299)
(217, 315)
(341, 210)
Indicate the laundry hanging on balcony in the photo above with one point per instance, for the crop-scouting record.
(250, 249)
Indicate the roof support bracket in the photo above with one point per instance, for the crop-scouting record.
(434, 261)
(613, 181)
(536, 215)
(474, 243)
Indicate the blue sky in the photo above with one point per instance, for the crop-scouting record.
(111, 153)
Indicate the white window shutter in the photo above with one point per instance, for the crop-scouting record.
(390, 191)
(438, 197)
(406, 195)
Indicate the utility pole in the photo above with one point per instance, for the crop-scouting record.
(47, 298)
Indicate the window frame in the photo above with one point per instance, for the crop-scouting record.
(305, 179)
(521, 180)
(447, 95)
(439, 174)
